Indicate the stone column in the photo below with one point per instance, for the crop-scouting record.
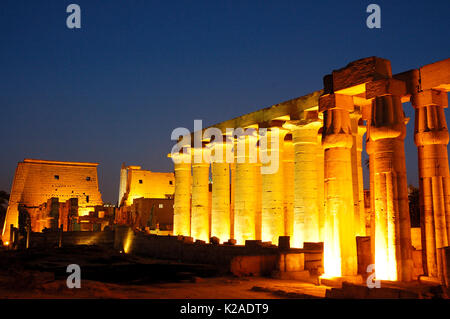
(340, 242)
(258, 199)
(306, 212)
(220, 204)
(273, 217)
(244, 190)
(320, 157)
(358, 130)
(232, 192)
(386, 132)
(200, 215)
(431, 137)
(182, 196)
(288, 171)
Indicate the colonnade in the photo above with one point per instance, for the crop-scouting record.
(316, 194)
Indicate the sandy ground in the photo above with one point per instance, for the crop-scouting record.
(208, 288)
(105, 273)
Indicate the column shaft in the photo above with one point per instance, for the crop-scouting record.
(220, 205)
(200, 215)
(306, 211)
(244, 195)
(273, 217)
(340, 243)
(182, 200)
(357, 175)
(387, 129)
(320, 158)
(431, 137)
(288, 171)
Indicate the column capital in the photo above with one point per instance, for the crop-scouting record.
(304, 124)
(335, 101)
(201, 156)
(429, 97)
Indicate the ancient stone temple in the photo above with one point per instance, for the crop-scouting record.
(316, 193)
(38, 182)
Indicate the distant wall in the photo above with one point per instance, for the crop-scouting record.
(137, 183)
(50, 239)
(182, 249)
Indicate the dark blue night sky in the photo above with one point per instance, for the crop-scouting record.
(114, 90)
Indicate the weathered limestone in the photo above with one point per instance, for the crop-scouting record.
(358, 131)
(306, 211)
(340, 242)
(244, 191)
(273, 211)
(200, 213)
(220, 204)
(431, 137)
(182, 196)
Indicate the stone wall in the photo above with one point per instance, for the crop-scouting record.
(253, 259)
(136, 183)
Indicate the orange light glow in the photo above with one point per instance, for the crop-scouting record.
(128, 241)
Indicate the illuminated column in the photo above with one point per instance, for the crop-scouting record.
(200, 215)
(232, 192)
(182, 195)
(320, 186)
(11, 218)
(386, 132)
(288, 171)
(220, 205)
(244, 188)
(273, 217)
(431, 137)
(358, 130)
(306, 212)
(340, 243)
(258, 199)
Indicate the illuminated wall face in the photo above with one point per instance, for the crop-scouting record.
(147, 184)
(36, 181)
